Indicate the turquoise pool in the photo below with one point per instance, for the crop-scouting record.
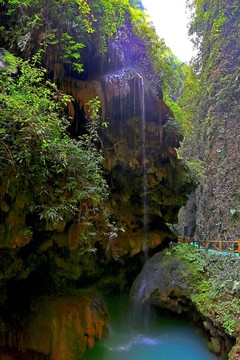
(158, 336)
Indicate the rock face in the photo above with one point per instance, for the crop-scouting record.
(60, 328)
(162, 284)
(167, 281)
(148, 186)
(217, 130)
(147, 180)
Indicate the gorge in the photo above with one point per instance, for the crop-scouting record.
(92, 181)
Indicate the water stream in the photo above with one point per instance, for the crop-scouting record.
(165, 337)
(144, 167)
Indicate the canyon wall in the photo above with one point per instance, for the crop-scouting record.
(215, 140)
(148, 184)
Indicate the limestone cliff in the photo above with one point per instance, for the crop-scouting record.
(60, 328)
(139, 144)
(216, 127)
(147, 181)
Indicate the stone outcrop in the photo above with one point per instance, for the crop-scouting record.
(59, 328)
(167, 281)
(216, 136)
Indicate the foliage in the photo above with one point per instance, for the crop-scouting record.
(215, 114)
(167, 72)
(62, 176)
(93, 106)
(176, 123)
(8, 61)
(195, 257)
(189, 97)
(196, 170)
(34, 24)
(165, 64)
(110, 16)
(209, 17)
(214, 280)
(88, 26)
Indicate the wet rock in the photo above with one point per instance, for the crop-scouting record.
(61, 328)
(216, 345)
(162, 284)
(167, 282)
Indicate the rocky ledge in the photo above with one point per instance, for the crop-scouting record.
(58, 328)
(205, 287)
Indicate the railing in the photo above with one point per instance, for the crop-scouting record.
(230, 246)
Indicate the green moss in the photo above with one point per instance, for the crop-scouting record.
(214, 283)
(235, 352)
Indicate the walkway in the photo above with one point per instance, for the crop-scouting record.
(225, 247)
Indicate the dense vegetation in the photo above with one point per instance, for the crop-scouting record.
(214, 282)
(205, 109)
(214, 27)
(85, 29)
(62, 177)
(51, 180)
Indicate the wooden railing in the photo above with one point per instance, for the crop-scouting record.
(231, 246)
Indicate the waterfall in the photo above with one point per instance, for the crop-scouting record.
(144, 168)
(118, 94)
(125, 97)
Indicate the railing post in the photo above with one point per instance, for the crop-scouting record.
(220, 245)
(239, 247)
(207, 246)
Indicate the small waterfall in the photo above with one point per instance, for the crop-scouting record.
(125, 97)
(118, 94)
(141, 309)
(144, 168)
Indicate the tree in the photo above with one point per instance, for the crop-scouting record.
(61, 177)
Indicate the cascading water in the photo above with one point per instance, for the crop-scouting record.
(144, 167)
(118, 88)
(126, 99)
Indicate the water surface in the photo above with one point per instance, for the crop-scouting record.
(159, 336)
